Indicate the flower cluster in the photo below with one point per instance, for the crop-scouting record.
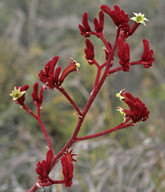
(137, 109)
(118, 16)
(43, 168)
(51, 75)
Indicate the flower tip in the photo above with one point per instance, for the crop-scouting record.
(119, 95)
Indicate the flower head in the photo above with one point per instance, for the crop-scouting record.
(43, 168)
(119, 17)
(51, 75)
(137, 109)
(139, 18)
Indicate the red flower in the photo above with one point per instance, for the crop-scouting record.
(67, 167)
(37, 99)
(51, 74)
(99, 25)
(48, 74)
(119, 17)
(72, 67)
(85, 28)
(18, 94)
(89, 51)
(147, 55)
(137, 109)
(43, 168)
(123, 54)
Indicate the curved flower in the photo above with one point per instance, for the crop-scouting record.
(137, 109)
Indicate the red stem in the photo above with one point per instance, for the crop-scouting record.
(118, 127)
(62, 90)
(43, 129)
(97, 76)
(29, 111)
(95, 91)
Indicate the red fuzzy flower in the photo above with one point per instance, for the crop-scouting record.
(67, 167)
(85, 28)
(89, 51)
(137, 109)
(43, 168)
(119, 17)
(51, 75)
(18, 94)
(47, 76)
(37, 99)
(123, 54)
(147, 55)
(99, 25)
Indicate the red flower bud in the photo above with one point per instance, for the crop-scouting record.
(89, 51)
(99, 25)
(85, 28)
(123, 54)
(37, 99)
(67, 167)
(147, 55)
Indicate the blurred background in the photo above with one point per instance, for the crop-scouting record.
(130, 160)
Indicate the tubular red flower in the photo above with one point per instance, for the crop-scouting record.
(67, 167)
(48, 75)
(43, 168)
(137, 109)
(99, 25)
(119, 17)
(85, 28)
(72, 67)
(37, 99)
(147, 55)
(89, 51)
(123, 54)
